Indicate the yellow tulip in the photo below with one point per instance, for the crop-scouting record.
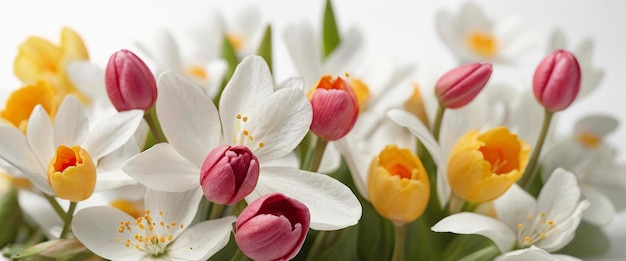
(72, 174)
(22, 102)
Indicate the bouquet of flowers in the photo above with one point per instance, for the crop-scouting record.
(158, 156)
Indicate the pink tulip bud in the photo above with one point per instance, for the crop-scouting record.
(130, 83)
(461, 85)
(557, 80)
(335, 108)
(272, 227)
(228, 174)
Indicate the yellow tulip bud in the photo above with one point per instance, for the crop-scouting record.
(398, 185)
(72, 174)
(483, 166)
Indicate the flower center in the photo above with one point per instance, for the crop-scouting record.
(127, 206)
(243, 135)
(415, 105)
(198, 73)
(147, 233)
(535, 229)
(589, 140)
(362, 92)
(482, 43)
(72, 173)
(236, 40)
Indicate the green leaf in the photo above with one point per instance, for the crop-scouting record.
(265, 48)
(331, 38)
(10, 212)
(375, 235)
(470, 247)
(230, 56)
(589, 241)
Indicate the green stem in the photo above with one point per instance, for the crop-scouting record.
(238, 256)
(531, 167)
(318, 153)
(55, 205)
(217, 211)
(438, 121)
(469, 206)
(68, 219)
(398, 247)
(155, 127)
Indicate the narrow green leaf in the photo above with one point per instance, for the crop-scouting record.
(330, 34)
(230, 56)
(10, 212)
(265, 48)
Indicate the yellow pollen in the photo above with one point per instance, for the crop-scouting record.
(543, 214)
(140, 226)
(162, 239)
(162, 223)
(527, 239)
(127, 244)
(520, 226)
(136, 246)
(251, 138)
(235, 40)
(482, 43)
(589, 140)
(151, 227)
(117, 239)
(246, 132)
(181, 226)
(238, 116)
(197, 72)
(121, 229)
(347, 74)
(169, 238)
(160, 213)
(261, 144)
(529, 217)
(245, 118)
(147, 212)
(173, 224)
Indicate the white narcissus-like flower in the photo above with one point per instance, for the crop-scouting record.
(32, 153)
(269, 120)
(162, 233)
(586, 153)
(473, 37)
(532, 226)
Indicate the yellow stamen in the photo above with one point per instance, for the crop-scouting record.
(482, 43)
(589, 140)
(198, 73)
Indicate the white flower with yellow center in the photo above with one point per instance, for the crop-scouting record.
(269, 120)
(587, 154)
(62, 159)
(530, 227)
(163, 232)
(472, 36)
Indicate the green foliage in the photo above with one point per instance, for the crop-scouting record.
(330, 34)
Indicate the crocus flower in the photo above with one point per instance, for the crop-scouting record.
(461, 85)
(129, 82)
(229, 173)
(272, 227)
(335, 108)
(557, 80)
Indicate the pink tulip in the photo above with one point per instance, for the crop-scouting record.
(557, 80)
(228, 174)
(273, 227)
(129, 82)
(335, 108)
(461, 85)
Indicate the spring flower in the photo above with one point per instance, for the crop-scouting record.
(472, 36)
(270, 121)
(272, 227)
(335, 108)
(461, 85)
(532, 226)
(58, 158)
(130, 84)
(229, 173)
(593, 160)
(557, 80)
(22, 101)
(483, 166)
(398, 185)
(163, 232)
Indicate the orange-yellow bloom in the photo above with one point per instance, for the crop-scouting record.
(483, 166)
(72, 174)
(398, 185)
(23, 100)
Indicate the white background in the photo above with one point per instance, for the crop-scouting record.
(403, 29)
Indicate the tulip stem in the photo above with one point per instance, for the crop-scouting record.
(318, 154)
(530, 171)
(438, 121)
(68, 219)
(238, 256)
(217, 211)
(155, 128)
(55, 205)
(398, 246)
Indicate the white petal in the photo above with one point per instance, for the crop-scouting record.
(162, 168)
(250, 85)
(88, 78)
(357, 163)
(40, 135)
(179, 207)
(331, 160)
(345, 55)
(167, 54)
(471, 223)
(599, 125)
(566, 229)
(15, 151)
(559, 196)
(601, 210)
(331, 204)
(557, 41)
(110, 174)
(38, 209)
(188, 118)
(71, 126)
(532, 253)
(280, 122)
(304, 51)
(514, 206)
(202, 240)
(97, 229)
(293, 82)
(112, 132)
(216, 70)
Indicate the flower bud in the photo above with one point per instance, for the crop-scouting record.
(335, 108)
(483, 166)
(398, 185)
(228, 174)
(72, 174)
(461, 85)
(557, 80)
(273, 227)
(130, 83)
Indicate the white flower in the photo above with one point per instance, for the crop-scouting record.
(269, 120)
(162, 233)
(472, 36)
(32, 153)
(585, 153)
(548, 223)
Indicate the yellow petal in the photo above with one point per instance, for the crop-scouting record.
(72, 174)
(22, 102)
(72, 45)
(36, 57)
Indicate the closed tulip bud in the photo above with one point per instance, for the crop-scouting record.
(461, 85)
(335, 108)
(130, 83)
(228, 174)
(398, 185)
(72, 174)
(273, 227)
(557, 80)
